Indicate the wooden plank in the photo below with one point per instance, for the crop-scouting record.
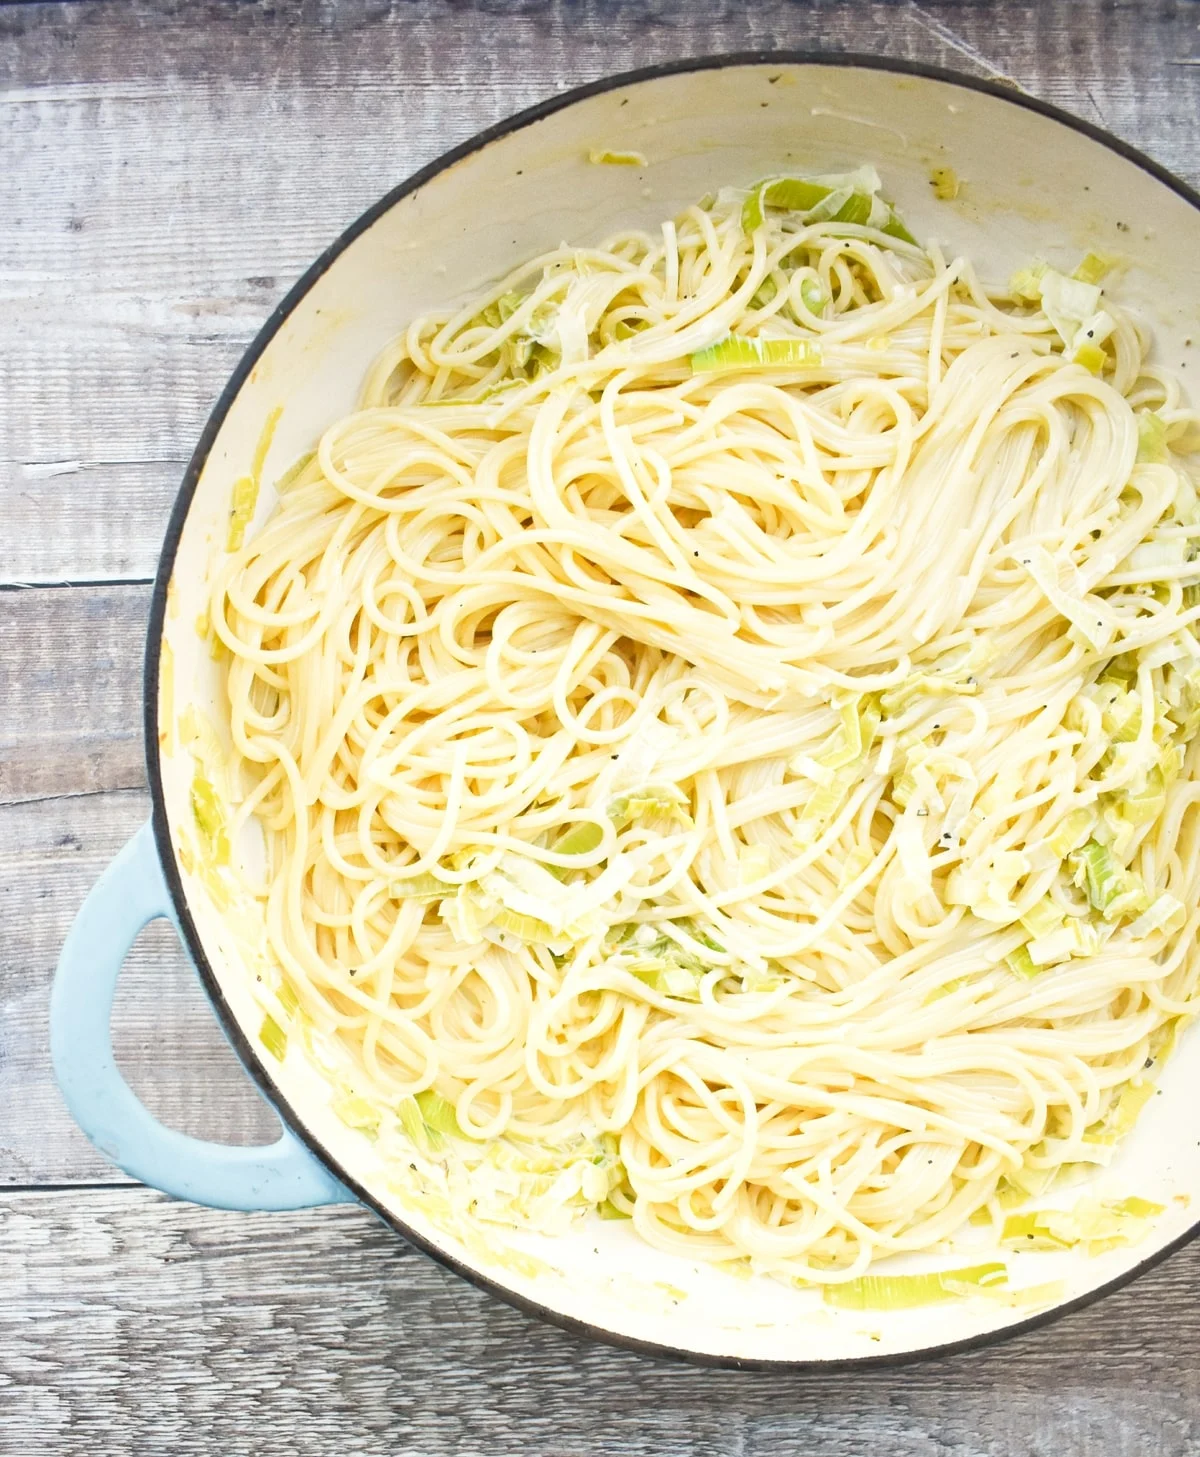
(166, 179)
(70, 683)
(168, 171)
(166, 1039)
(132, 1324)
(83, 520)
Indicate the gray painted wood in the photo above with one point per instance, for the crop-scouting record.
(70, 683)
(184, 1331)
(166, 170)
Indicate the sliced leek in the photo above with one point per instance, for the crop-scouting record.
(738, 352)
(903, 1292)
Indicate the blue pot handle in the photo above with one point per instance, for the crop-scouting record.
(130, 894)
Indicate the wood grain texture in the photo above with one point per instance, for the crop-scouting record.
(166, 1039)
(171, 168)
(70, 683)
(193, 1332)
(166, 170)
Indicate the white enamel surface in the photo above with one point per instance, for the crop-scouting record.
(1032, 187)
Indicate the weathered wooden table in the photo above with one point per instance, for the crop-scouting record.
(165, 172)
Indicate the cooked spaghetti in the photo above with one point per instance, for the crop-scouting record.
(721, 716)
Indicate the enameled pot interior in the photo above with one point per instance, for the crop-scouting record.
(1033, 186)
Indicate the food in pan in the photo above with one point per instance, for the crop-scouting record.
(720, 722)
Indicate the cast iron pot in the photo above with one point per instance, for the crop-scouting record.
(1037, 183)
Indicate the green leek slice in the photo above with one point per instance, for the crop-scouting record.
(438, 1114)
(1071, 831)
(1134, 1097)
(1092, 357)
(739, 352)
(1152, 438)
(356, 1112)
(209, 815)
(420, 888)
(902, 1292)
(1022, 964)
(273, 1038)
(646, 802)
(580, 839)
(793, 194)
(428, 1119)
(523, 926)
(668, 979)
(1164, 913)
(1111, 889)
(896, 229)
(1043, 918)
(294, 471)
(856, 209)
(1093, 267)
(608, 1210)
(1098, 1225)
(799, 194)
(245, 488)
(605, 157)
